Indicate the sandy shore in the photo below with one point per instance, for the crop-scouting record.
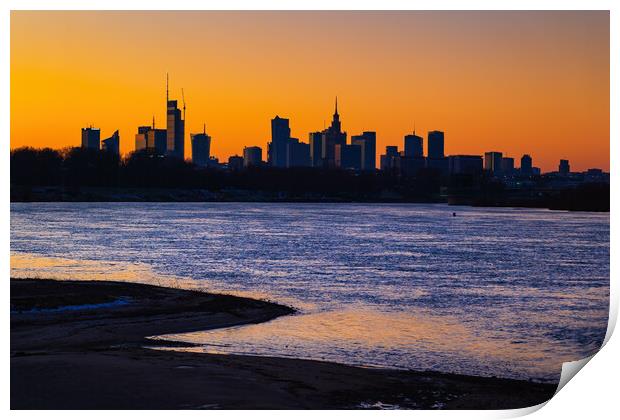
(80, 345)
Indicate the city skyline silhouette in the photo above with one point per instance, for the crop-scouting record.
(518, 82)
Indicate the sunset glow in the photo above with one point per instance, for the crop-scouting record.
(516, 82)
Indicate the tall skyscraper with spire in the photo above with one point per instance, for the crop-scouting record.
(332, 136)
(175, 127)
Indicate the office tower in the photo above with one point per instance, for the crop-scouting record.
(508, 166)
(368, 143)
(316, 148)
(330, 138)
(235, 163)
(141, 137)
(90, 138)
(388, 160)
(493, 162)
(464, 164)
(280, 137)
(526, 165)
(564, 167)
(252, 156)
(175, 127)
(435, 145)
(414, 145)
(436, 159)
(412, 157)
(348, 156)
(201, 148)
(112, 144)
(297, 154)
(157, 141)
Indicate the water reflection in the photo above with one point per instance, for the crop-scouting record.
(505, 292)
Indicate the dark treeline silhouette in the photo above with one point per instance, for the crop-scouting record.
(76, 174)
(76, 168)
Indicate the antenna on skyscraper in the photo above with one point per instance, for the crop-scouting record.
(204, 128)
(153, 122)
(183, 97)
(166, 88)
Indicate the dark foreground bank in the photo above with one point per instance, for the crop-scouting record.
(80, 345)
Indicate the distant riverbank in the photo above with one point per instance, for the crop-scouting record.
(70, 351)
(562, 200)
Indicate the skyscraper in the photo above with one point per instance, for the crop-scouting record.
(175, 127)
(112, 143)
(368, 143)
(157, 140)
(564, 167)
(348, 156)
(141, 137)
(388, 160)
(316, 149)
(280, 138)
(90, 138)
(331, 137)
(252, 156)
(414, 145)
(493, 162)
(435, 145)
(508, 166)
(526, 165)
(201, 148)
(436, 159)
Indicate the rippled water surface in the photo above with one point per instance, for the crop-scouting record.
(504, 292)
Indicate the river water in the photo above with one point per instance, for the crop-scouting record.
(493, 291)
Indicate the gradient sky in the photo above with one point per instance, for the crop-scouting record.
(516, 82)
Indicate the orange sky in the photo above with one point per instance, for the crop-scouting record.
(517, 82)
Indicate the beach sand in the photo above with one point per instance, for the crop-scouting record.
(82, 345)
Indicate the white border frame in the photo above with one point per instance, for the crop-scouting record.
(592, 394)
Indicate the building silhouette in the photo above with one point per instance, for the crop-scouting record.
(157, 140)
(348, 156)
(332, 136)
(280, 138)
(388, 161)
(112, 143)
(297, 154)
(201, 148)
(564, 167)
(141, 138)
(493, 162)
(175, 128)
(151, 140)
(316, 149)
(235, 163)
(526, 165)
(368, 144)
(508, 166)
(464, 164)
(252, 156)
(90, 138)
(414, 145)
(436, 158)
(435, 145)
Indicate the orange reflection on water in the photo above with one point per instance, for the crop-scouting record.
(352, 334)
